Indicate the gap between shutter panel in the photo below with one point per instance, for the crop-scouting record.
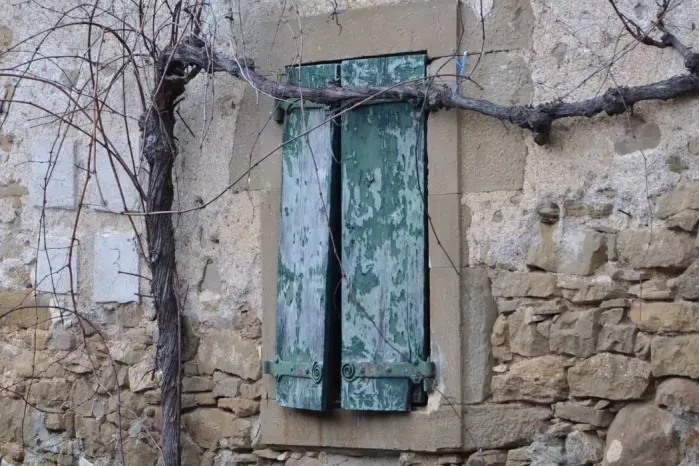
(307, 273)
(383, 241)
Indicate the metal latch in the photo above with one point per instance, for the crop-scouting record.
(304, 370)
(418, 371)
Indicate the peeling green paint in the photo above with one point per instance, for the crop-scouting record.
(304, 296)
(383, 237)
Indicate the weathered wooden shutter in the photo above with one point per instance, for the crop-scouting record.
(305, 276)
(383, 241)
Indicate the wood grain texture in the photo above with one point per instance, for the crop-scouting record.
(383, 234)
(304, 296)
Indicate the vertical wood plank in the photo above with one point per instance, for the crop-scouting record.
(383, 234)
(304, 295)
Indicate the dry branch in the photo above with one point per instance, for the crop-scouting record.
(537, 118)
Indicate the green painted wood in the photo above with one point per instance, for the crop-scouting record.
(383, 234)
(305, 280)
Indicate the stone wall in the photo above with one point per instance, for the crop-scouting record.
(589, 243)
(606, 336)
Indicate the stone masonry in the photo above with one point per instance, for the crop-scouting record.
(586, 251)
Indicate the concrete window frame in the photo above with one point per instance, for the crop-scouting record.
(430, 28)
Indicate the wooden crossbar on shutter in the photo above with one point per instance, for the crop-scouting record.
(383, 239)
(306, 283)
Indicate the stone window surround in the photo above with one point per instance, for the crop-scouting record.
(430, 28)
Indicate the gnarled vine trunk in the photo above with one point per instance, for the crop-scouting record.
(159, 150)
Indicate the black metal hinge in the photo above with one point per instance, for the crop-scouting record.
(304, 370)
(418, 371)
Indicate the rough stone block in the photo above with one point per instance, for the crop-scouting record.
(675, 356)
(661, 249)
(52, 272)
(610, 376)
(116, 256)
(518, 457)
(612, 316)
(681, 394)
(142, 376)
(547, 451)
(209, 425)
(488, 458)
(541, 380)
(614, 303)
(574, 209)
(110, 180)
(225, 386)
(543, 253)
(583, 448)
(684, 196)
(590, 290)
(227, 352)
(515, 284)
(492, 426)
(527, 339)
(575, 333)
(687, 284)
(617, 338)
(583, 414)
(666, 317)
(53, 171)
(642, 435)
(686, 220)
(651, 290)
(545, 308)
(39, 317)
(197, 384)
(240, 406)
(479, 314)
(585, 259)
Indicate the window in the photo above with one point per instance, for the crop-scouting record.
(353, 205)
(458, 328)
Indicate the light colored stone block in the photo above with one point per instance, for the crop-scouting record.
(478, 317)
(116, 256)
(446, 331)
(247, 147)
(493, 155)
(444, 230)
(53, 274)
(111, 181)
(442, 137)
(369, 32)
(53, 171)
(269, 221)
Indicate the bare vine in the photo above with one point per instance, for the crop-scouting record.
(187, 53)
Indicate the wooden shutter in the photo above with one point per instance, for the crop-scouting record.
(383, 240)
(305, 279)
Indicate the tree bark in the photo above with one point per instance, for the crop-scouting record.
(159, 150)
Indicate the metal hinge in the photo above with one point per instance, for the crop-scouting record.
(284, 107)
(304, 370)
(418, 371)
